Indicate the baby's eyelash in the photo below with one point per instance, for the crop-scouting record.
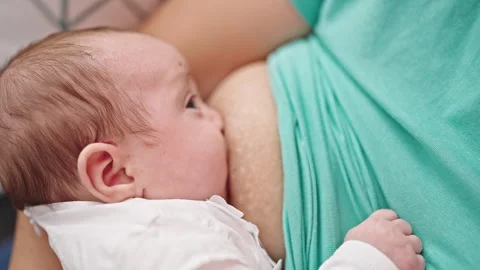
(191, 103)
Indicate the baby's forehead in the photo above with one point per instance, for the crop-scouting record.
(133, 58)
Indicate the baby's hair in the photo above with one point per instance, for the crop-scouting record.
(55, 99)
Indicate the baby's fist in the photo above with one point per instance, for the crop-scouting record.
(392, 236)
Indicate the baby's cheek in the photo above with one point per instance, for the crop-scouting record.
(215, 177)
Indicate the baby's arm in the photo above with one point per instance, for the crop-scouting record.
(381, 242)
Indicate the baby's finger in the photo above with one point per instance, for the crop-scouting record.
(403, 226)
(385, 214)
(421, 262)
(416, 243)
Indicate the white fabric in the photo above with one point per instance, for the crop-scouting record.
(356, 255)
(152, 234)
(171, 234)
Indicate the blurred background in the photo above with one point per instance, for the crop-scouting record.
(24, 21)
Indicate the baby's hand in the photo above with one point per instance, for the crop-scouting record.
(392, 236)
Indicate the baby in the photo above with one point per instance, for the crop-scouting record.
(108, 146)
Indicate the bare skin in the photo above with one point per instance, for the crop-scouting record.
(244, 98)
(216, 36)
(214, 50)
(256, 178)
(256, 183)
(31, 251)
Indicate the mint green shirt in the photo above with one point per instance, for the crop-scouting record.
(380, 108)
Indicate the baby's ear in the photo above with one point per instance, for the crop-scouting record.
(102, 173)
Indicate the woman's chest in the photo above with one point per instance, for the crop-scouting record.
(256, 180)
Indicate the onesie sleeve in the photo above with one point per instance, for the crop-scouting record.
(356, 255)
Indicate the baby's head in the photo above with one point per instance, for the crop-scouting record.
(106, 115)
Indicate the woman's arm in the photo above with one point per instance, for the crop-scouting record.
(218, 36)
(31, 251)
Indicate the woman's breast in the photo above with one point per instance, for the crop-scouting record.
(256, 180)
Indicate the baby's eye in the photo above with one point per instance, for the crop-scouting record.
(191, 104)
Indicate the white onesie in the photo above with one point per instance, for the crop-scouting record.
(169, 234)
